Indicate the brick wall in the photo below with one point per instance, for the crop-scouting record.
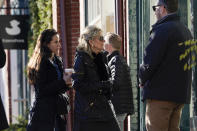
(72, 33)
(72, 16)
(58, 17)
(72, 26)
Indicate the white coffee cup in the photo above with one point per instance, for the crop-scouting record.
(69, 70)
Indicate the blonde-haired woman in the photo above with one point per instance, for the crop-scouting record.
(45, 72)
(90, 80)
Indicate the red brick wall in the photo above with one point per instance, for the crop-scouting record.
(58, 17)
(72, 29)
(72, 23)
(72, 16)
(58, 22)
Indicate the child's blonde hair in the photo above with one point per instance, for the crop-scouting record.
(113, 39)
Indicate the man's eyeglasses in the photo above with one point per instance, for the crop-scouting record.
(155, 7)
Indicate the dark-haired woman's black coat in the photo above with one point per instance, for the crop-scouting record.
(47, 87)
(3, 119)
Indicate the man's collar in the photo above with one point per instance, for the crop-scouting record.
(113, 54)
(170, 16)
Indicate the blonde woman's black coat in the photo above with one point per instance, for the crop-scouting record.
(90, 80)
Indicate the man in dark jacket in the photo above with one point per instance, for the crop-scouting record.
(122, 89)
(3, 119)
(165, 74)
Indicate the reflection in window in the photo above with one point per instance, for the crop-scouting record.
(93, 10)
(101, 13)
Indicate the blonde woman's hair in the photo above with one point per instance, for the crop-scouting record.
(113, 39)
(89, 33)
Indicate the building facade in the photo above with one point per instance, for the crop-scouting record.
(131, 19)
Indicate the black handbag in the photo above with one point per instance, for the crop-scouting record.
(62, 104)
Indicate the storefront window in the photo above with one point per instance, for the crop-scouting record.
(93, 9)
(100, 13)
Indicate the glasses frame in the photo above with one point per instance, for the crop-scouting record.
(155, 7)
(101, 38)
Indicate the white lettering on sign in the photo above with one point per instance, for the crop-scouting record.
(13, 40)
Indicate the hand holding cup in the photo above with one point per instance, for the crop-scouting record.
(67, 75)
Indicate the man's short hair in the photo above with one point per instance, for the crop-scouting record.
(113, 39)
(172, 5)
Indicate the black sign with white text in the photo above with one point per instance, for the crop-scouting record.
(14, 31)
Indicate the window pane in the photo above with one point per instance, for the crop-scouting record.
(101, 13)
(108, 15)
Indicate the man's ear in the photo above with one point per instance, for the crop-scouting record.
(109, 47)
(106, 46)
(164, 10)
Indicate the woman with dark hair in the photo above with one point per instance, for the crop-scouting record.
(45, 73)
(92, 85)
